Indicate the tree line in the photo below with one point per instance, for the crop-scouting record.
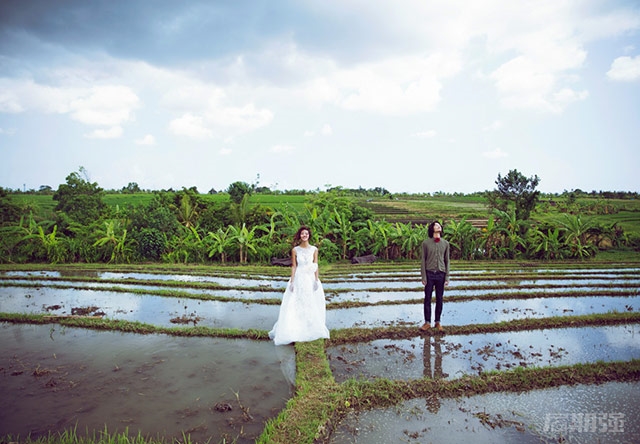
(182, 227)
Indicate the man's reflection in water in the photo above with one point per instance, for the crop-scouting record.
(287, 356)
(435, 372)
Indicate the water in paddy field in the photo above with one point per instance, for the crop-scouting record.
(54, 378)
(451, 357)
(606, 413)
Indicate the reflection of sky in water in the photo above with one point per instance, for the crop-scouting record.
(249, 280)
(479, 312)
(362, 281)
(454, 356)
(159, 310)
(458, 420)
(132, 307)
(377, 296)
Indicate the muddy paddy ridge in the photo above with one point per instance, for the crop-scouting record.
(217, 388)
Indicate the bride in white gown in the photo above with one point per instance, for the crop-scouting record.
(302, 312)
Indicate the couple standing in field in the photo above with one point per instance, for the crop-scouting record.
(302, 315)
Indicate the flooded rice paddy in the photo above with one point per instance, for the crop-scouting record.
(55, 378)
(579, 414)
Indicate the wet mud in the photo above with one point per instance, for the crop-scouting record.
(55, 378)
(605, 413)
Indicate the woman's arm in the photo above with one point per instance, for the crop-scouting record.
(315, 260)
(294, 265)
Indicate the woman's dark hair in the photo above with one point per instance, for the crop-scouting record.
(430, 230)
(296, 238)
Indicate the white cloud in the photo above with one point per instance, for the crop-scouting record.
(8, 131)
(282, 148)
(425, 134)
(625, 69)
(326, 131)
(213, 104)
(110, 133)
(190, 126)
(225, 151)
(495, 126)
(104, 106)
(495, 154)
(243, 119)
(396, 86)
(526, 83)
(146, 140)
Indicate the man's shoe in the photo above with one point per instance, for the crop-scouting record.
(439, 327)
(425, 327)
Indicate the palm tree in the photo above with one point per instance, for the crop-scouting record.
(241, 209)
(187, 212)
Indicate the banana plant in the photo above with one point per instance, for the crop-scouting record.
(577, 235)
(55, 251)
(463, 238)
(219, 243)
(343, 231)
(412, 241)
(245, 240)
(547, 244)
(511, 227)
(114, 240)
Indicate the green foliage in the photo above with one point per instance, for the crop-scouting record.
(9, 211)
(187, 227)
(80, 199)
(237, 191)
(517, 191)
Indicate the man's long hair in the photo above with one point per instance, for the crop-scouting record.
(430, 230)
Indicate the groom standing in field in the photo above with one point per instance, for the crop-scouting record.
(434, 267)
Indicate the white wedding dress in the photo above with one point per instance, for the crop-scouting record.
(302, 312)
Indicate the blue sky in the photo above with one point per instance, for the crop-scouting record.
(412, 96)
